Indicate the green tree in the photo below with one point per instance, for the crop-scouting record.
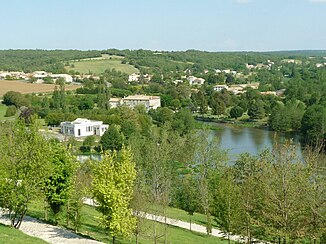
(88, 143)
(187, 196)
(183, 122)
(236, 112)
(256, 110)
(112, 139)
(200, 101)
(11, 111)
(25, 164)
(315, 194)
(226, 206)
(112, 185)
(15, 98)
(208, 159)
(58, 185)
(217, 104)
(314, 124)
(284, 187)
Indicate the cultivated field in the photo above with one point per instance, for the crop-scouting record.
(24, 87)
(99, 65)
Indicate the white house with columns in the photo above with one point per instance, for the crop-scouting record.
(83, 127)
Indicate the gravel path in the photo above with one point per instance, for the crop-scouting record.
(48, 233)
(184, 225)
(57, 235)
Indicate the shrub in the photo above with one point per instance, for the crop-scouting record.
(11, 111)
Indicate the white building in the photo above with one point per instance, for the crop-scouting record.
(83, 127)
(40, 75)
(133, 77)
(115, 102)
(177, 81)
(150, 102)
(220, 87)
(193, 80)
(67, 78)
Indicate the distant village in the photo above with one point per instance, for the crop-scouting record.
(40, 77)
(82, 127)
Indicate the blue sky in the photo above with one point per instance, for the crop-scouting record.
(212, 25)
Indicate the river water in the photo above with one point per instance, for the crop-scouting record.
(237, 140)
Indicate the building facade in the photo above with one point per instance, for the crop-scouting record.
(83, 127)
(150, 102)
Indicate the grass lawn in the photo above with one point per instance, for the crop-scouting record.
(90, 226)
(10, 235)
(3, 109)
(179, 214)
(98, 66)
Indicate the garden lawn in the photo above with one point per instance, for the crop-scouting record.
(90, 226)
(10, 235)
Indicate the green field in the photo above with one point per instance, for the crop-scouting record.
(90, 226)
(10, 235)
(98, 66)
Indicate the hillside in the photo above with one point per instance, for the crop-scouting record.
(100, 64)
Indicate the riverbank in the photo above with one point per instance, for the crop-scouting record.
(261, 124)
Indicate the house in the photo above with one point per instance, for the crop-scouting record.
(83, 127)
(4, 75)
(67, 78)
(177, 81)
(193, 80)
(115, 102)
(40, 75)
(150, 102)
(269, 93)
(220, 87)
(133, 77)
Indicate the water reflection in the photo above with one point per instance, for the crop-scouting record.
(239, 140)
(84, 158)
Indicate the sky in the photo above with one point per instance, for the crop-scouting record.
(210, 25)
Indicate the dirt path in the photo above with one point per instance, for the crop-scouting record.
(48, 233)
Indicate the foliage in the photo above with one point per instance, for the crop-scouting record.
(113, 182)
(48, 60)
(15, 98)
(112, 139)
(58, 185)
(236, 112)
(314, 124)
(24, 165)
(256, 110)
(11, 111)
(287, 117)
(88, 143)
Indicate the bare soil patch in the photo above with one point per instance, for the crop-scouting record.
(24, 87)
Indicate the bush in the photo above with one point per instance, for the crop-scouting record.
(11, 111)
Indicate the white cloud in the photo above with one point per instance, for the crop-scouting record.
(243, 1)
(317, 1)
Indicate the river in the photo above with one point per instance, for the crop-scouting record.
(238, 139)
